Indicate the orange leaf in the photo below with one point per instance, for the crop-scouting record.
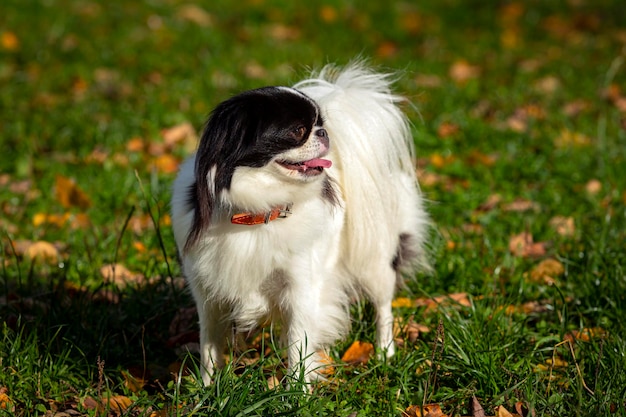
(166, 163)
(9, 41)
(69, 194)
(5, 401)
(586, 334)
(447, 129)
(429, 410)
(118, 403)
(521, 205)
(359, 353)
(135, 144)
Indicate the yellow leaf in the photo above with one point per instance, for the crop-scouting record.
(401, 302)
(69, 194)
(593, 187)
(359, 353)
(502, 412)
(567, 138)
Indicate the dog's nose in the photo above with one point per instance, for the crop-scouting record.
(322, 134)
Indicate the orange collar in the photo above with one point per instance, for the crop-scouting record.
(250, 219)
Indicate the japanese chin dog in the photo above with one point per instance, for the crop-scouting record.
(297, 199)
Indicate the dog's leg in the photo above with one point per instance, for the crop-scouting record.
(214, 329)
(380, 288)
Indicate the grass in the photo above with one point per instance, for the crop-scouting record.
(524, 100)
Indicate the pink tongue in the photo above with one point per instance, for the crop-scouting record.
(318, 162)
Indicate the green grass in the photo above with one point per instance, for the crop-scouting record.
(87, 77)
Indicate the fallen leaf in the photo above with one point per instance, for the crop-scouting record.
(166, 164)
(69, 194)
(328, 14)
(447, 129)
(43, 252)
(195, 14)
(118, 403)
(431, 304)
(119, 275)
(547, 271)
(135, 144)
(359, 353)
(133, 383)
(574, 108)
(502, 412)
(401, 302)
(547, 85)
(522, 245)
(593, 187)
(567, 138)
(5, 401)
(564, 226)
(477, 409)
(440, 161)
(411, 22)
(462, 71)
(386, 49)
(9, 41)
(428, 81)
(327, 369)
(586, 334)
(491, 203)
(428, 410)
(521, 205)
(183, 133)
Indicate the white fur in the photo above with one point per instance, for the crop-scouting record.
(303, 269)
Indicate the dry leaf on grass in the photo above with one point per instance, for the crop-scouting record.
(359, 353)
(428, 410)
(564, 226)
(42, 251)
(462, 71)
(119, 275)
(69, 194)
(547, 271)
(523, 245)
(586, 334)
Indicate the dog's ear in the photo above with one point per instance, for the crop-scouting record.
(229, 132)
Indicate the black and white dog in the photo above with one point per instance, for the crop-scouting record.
(296, 199)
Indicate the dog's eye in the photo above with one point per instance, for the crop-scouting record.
(299, 132)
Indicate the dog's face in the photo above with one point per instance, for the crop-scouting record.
(255, 145)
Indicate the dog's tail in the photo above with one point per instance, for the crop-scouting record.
(374, 161)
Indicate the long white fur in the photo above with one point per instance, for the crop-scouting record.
(304, 269)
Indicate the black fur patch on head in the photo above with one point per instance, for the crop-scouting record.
(249, 129)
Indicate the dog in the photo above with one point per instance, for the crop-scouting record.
(297, 199)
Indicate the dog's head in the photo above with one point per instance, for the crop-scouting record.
(255, 147)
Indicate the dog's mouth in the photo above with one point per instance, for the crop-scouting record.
(311, 167)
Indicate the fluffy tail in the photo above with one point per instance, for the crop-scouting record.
(373, 155)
